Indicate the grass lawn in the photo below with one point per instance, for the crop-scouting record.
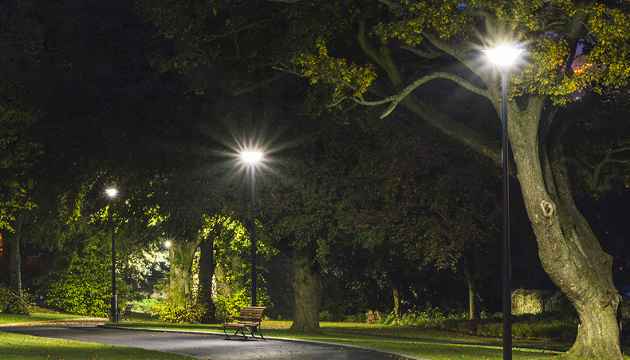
(38, 316)
(16, 346)
(410, 340)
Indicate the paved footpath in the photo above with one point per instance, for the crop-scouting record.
(206, 345)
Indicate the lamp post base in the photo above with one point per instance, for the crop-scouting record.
(113, 311)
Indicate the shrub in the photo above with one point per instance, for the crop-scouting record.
(358, 318)
(229, 307)
(177, 312)
(11, 303)
(325, 316)
(372, 317)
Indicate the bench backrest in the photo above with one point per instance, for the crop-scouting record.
(251, 313)
(128, 308)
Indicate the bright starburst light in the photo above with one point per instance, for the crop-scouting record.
(503, 56)
(112, 192)
(252, 157)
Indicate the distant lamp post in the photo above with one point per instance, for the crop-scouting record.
(252, 158)
(503, 57)
(113, 312)
(167, 244)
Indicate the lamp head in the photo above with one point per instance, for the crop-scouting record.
(167, 244)
(503, 56)
(111, 193)
(251, 157)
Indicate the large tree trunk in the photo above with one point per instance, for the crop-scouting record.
(181, 258)
(568, 249)
(307, 287)
(207, 265)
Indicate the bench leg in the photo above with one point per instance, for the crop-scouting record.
(255, 329)
(227, 337)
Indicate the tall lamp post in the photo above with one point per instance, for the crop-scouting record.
(113, 313)
(504, 57)
(252, 158)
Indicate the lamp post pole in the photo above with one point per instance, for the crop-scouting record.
(253, 250)
(114, 299)
(507, 294)
(253, 157)
(113, 313)
(504, 57)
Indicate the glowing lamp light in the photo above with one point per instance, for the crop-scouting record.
(111, 192)
(167, 244)
(252, 157)
(503, 56)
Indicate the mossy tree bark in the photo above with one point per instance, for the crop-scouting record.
(307, 287)
(181, 258)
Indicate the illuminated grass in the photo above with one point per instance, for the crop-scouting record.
(15, 346)
(409, 340)
(37, 316)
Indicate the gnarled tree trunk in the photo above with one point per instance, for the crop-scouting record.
(568, 249)
(307, 287)
(181, 258)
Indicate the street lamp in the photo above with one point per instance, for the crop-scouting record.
(252, 158)
(113, 313)
(503, 57)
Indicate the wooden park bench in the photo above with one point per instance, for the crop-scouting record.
(127, 312)
(249, 319)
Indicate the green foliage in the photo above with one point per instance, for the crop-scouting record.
(82, 283)
(372, 316)
(173, 311)
(11, 303)
(413, 317)
(228, 307)
(146, 305)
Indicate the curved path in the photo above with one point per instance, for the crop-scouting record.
(205, 345)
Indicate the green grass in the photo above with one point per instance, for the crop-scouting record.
(409, 340)
(37, 316)
(16, 346)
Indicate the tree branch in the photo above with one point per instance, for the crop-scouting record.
(431, 54)
(256, 86)
(395, 99)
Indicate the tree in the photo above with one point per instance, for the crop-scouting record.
(570, 46)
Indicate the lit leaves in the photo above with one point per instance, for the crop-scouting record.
(350, 81)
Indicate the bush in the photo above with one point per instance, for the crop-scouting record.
(11, 303)
(549, 325)
(81, 282)
(228, 308)
(413, 317)
(176, 312)
(372, 317)
(358, 318)
(325, 316)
